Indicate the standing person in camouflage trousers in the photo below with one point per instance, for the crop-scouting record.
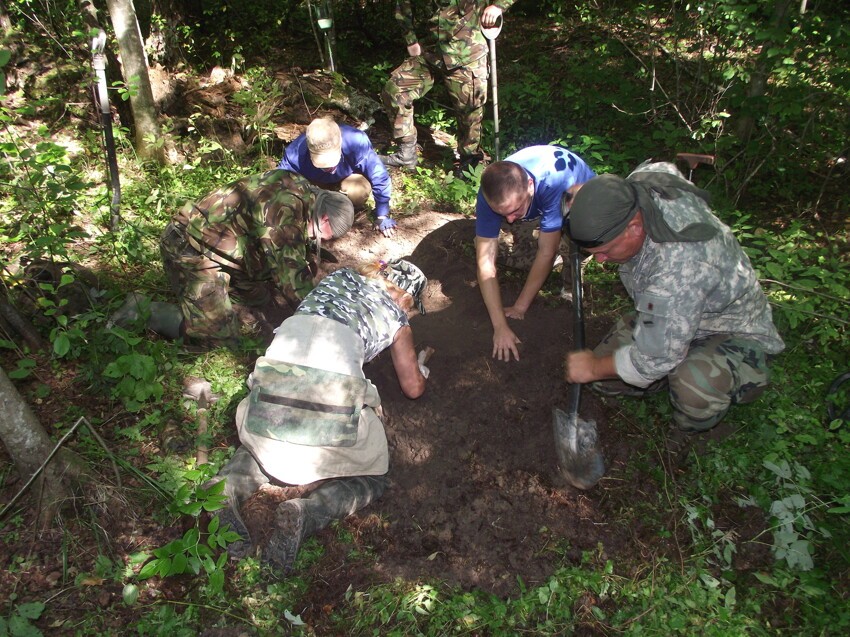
(701, 325)
(456, 53)
(243, 237)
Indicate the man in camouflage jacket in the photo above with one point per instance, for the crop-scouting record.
(455, 53)
(702, 324)
(243, 237)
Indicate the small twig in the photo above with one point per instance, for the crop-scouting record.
(807, 290)
(34, 476)
(108, 453)
(780, 306)
(203, 452)
(43, 465)
(304, 99)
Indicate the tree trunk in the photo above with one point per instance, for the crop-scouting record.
(763, 68)
(5, 22)
(24, 328)
(135, 65)
(29, 445)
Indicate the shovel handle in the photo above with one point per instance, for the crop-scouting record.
(491, 33)
(695, 159)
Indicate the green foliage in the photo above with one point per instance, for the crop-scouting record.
(166, 620)
(438, 187)
(260, 101)
(806, 276)
(193, 552)
(138, 379)
(18, 624)
(792, 522)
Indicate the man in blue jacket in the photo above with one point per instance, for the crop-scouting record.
(341, 158)
(527, 186)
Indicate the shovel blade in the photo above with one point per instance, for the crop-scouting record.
(579, 457)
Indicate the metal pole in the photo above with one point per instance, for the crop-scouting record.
(330, 51)
(491, 33)
(98, 44)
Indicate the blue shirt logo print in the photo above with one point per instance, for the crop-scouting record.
(561, 162)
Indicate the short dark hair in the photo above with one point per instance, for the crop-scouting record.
(501, 180)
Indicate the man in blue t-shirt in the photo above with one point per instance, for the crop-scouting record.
(526, 186)
(340, 157)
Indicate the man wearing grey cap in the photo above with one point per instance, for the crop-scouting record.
(701, 326)
(341, 158)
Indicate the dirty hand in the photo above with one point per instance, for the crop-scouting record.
(414, 50)
(490, 15)
(515, 312)
(504, 343)
(580, 366)
(422, 358)
(386, 226)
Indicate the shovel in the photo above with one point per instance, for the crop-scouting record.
(491, 33)
(579, 457)
(694, 160)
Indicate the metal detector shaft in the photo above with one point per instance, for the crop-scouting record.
(491, 33)
(99, 65)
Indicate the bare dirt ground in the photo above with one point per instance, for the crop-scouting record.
(475, 496)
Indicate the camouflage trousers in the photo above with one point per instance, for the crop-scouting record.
(356, 187)
(328, 500)
(203, 287)
(467, 88)
(718, 371)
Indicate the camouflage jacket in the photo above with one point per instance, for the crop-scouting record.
(455, 28)
(256, 228)
(686, 291)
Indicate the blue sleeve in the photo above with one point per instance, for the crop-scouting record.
(290, 160)
(487, 222)
(369, 165)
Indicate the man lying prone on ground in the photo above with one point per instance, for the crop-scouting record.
(312, 418)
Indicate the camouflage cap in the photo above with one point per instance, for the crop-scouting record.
(324, 141)
(408, 277)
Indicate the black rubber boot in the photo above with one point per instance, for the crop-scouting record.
(468, 162)
(404, 157)
(302, 517)
(244, 476)
(165, 319)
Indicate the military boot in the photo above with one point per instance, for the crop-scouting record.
(300, 518)
(467, 164)
(244, 476)
(166, 319)
(405, 156)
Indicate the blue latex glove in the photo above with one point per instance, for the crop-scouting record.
(386, 226)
